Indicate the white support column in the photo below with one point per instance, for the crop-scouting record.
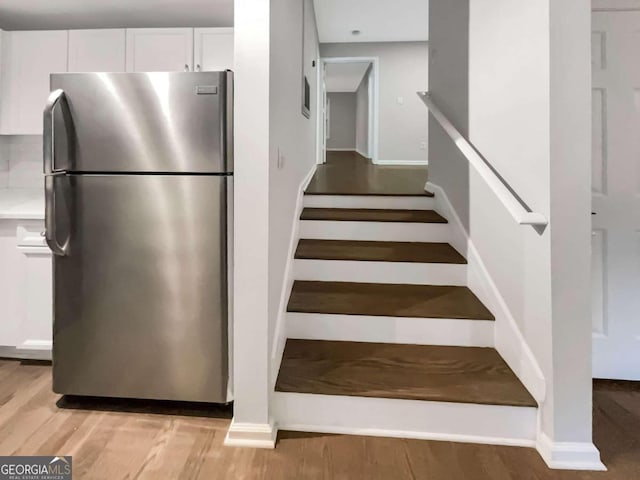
(566, 437)
(252, 425)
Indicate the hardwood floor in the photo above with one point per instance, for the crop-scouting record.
(125, 440)
(372, 215)
(410, 372)
(387, 299)
(347, 173)
(368, 251)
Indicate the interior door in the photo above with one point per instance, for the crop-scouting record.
(140, 298)
(616, 195)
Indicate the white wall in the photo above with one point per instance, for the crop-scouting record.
(404, 70)
(342, 121)
(449, 87)
(529, 117)
(519, 88)
(362, 116)
(21, 161)
(294, 137)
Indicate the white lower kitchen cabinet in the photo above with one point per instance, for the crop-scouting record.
(28, 58)
(159, 49)
(25, 290)
(213, 49)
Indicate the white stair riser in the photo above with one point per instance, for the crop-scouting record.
(458, 422)
(366, 201)
(374, 231)
(380, 272)
(415, 331)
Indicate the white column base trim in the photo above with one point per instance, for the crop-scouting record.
(569, 455)
(251, 435)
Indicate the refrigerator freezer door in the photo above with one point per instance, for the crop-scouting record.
(140, 299)
(144, 122)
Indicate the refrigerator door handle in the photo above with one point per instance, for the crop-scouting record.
(50, 218)
(48, 133)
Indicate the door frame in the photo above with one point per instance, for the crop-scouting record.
(374, 89)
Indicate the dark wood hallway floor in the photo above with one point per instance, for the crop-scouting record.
(348, 173)
(118, 440)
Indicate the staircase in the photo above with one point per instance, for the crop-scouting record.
(383, 335)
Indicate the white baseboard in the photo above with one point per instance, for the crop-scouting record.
(352, 149)
(509, 341)
(402, 330)
(400, 162)
(25, 354)
(279, 336)
(362, 154)
(370, 201)
(569, 455)
(424, 420)
(251, 435)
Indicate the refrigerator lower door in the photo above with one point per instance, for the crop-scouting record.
(140, 298)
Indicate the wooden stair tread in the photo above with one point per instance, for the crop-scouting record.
(364, 193)
(372, 215)
(413, 372)
(414, 252)
(389, 300)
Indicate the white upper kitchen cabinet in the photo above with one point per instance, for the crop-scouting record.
(159, 49)
(213, 49)
(28, 57)
(100, 50)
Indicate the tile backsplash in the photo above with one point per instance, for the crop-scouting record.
(21, 161)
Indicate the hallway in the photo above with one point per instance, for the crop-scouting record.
(348, 173)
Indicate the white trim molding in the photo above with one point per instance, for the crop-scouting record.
(351, 149)
(509, 341)
(401, 162)
(374, 100)
(251, 435)
(569, 455)
(423, 420)
(280, 334)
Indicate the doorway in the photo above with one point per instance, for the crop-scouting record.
(616, 195)
(348, 107)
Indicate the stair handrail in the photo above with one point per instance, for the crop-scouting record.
(512, 202)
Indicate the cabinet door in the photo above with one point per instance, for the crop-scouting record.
(213, 50)
(36, 292)
(159, 49)
(97, 50)
(28, 58)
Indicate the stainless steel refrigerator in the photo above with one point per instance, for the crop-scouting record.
(138, 177)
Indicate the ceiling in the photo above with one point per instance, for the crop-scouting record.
(344, 77)
(69, 14)
(377, 20)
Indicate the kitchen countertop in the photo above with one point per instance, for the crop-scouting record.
(22, 203)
